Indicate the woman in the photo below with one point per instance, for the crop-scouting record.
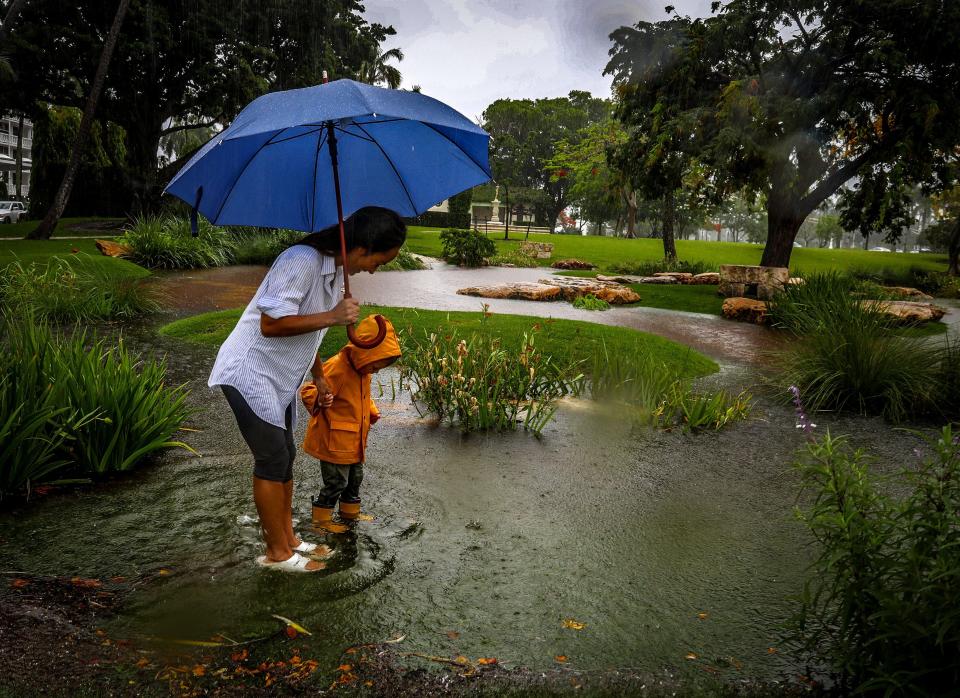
(263, 362)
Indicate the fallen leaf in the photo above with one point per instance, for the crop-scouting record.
(240, 656)
(562, 658)
(573, 624)
(164, 572)
(19, 583)
(199, 670)
(398, 638)
(368, 684)
(291, 632)
(690, 655)
(143, 663)
(100, 632)
(463, 661)
(292, 624)
(487, 661)
(771, 650)
(118, 580)
(344, 667)
(346, 678)
(85, 583)
(453, 634)
(703, 615)
(295, 660)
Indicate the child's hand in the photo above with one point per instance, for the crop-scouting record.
(324, 395)
(374, 418)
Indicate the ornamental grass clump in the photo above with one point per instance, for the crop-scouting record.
(590, 302)
(880, 604)
(261, 246)
(166, 242)
(404, 261)
(478, 383)
(74, 290)
(847, 356)
(75, 408)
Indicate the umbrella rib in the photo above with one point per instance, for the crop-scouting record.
(299, 135)
(459, 147)
(240, 174)
(403, 184)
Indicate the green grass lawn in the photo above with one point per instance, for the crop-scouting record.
(691, 299)
(604, 252)
(564, 340)
(43, 250)
(67, 227)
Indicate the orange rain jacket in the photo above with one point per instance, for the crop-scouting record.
(338, 434)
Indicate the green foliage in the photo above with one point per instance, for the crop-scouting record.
(514, 257)
(77, 290)
(166, 243)
(661, 395)
(590, 302)
(404, 261)
(649, 268)
(880, 604)
(261, 246)
(466, 248)
(845, 355)
(72, 406)
(479, 383)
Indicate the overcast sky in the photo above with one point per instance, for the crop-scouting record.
(469, 53)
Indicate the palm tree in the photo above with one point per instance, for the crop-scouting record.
(376, 71)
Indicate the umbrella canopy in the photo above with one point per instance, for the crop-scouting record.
(272, 167)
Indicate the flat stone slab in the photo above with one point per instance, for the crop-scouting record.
(707, 278)
(520, 290)
(572, 287)
(626, 279)
(112, 249)
(908, 312)
(572, 264)
(908, 294)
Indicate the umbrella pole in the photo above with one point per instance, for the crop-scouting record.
(381, 323)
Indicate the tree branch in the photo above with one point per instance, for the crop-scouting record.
(834, 180)
(187, 127)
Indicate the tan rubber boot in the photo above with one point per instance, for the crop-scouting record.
(350, 511)
(323, 520)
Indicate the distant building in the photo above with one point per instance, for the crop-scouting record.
(9, 131)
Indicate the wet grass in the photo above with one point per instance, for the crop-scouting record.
(68, 227)
(27, 251)
(564, 340)
(691, 299)
(606, 252)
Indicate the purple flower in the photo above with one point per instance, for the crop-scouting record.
(803, 422)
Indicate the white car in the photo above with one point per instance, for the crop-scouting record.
(879, 249)
(11, 211)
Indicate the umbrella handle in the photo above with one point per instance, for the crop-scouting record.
(369, 343)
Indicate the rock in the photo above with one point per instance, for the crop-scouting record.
(572, 264)
(521, 290)
(620, 279)
(796, 281)
(707, 278)
(572, 287)
(745, 310)
(539, 250)
(682, 277)
(763, 283)
(112, 249)
(658, 280)
(907, 293)
(908, 312)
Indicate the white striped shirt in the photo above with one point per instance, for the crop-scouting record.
(268, 371)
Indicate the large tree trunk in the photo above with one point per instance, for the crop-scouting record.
(49, 223)
(506, 212)
(630, 197)
(783, 223)
(669, 214)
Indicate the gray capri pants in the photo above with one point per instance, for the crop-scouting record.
(272, 447)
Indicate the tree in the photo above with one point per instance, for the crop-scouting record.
(743, 216)
(793, 98)
(945, 233)
(184, 60)
(523, 134)
(376, 70)
(829, 230)
(49, 222)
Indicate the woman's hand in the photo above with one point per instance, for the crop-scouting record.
(346, 312)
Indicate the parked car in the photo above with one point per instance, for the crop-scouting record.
(12, 211)
(879, 249)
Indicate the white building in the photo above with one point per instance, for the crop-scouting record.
(9, 132)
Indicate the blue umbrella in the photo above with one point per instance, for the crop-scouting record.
(303, 159)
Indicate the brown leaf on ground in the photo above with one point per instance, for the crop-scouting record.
(463, 661)
(690, 655)
(573, 624)
(703, 615)
(561, 658)
(143, 663)
(771, 650)
(291, 632)
(487, 661)
(164, 572)
(240, 656)
(453, 634)
(86, 583)
(344, 667)
(199, 670)
(19, 583)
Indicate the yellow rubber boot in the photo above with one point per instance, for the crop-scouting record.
(350, 511)
(323, 519)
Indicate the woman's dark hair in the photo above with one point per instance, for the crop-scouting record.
(373, 228)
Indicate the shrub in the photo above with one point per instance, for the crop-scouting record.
(650, 268)
(67, 408)
(514, 258)
(846, 356)
(478, 384)
(73, 291)
(262, 246)
(880, 603)
(466, 248)
(166, 243)
(404, 261)
(590, 302)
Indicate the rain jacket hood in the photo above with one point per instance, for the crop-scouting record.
(389, 348)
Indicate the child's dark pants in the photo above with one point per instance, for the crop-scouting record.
(339, 482)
